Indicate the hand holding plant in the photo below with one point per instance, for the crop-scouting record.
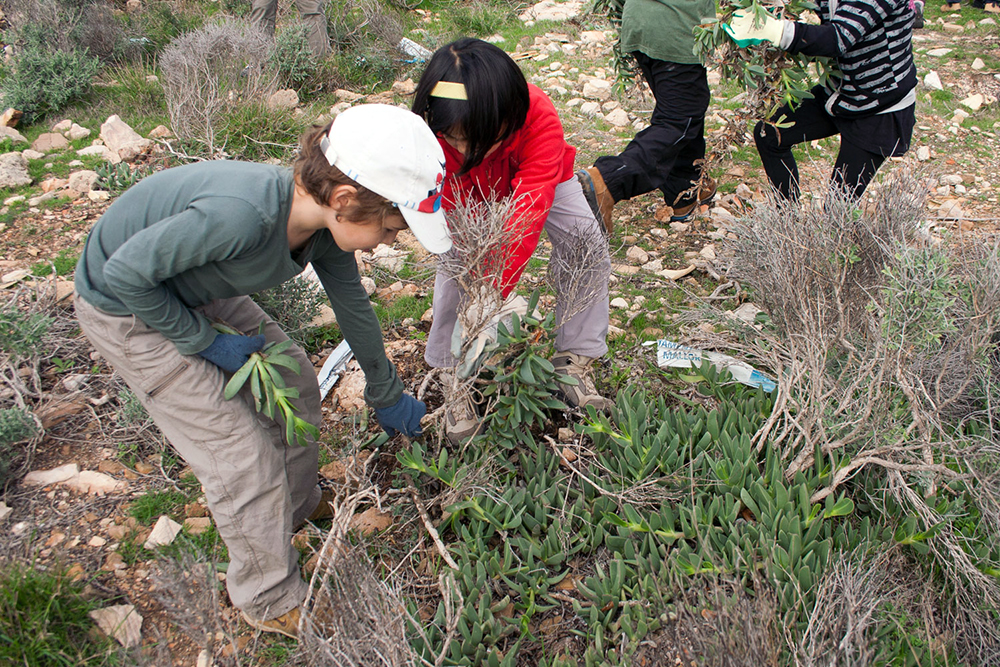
(270, 394)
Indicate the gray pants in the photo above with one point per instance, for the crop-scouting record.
(257, 487)
(264, 12)
(586, 332)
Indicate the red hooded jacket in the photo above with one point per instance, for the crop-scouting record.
(529, 164)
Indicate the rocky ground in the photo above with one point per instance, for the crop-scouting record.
(75, 507)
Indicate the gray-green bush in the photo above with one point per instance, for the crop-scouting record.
(17, 425)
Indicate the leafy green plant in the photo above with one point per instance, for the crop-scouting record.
(293, 304)
(16, 426)
(118, 177)
(21, 334)
(270, 394)
(295, 63)
(64, 263)
(41, 80)
(44, 620)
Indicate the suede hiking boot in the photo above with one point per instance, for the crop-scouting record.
(325, 508)
(584, 392)
(287, 624)
(600, 200)
(461, 419)
(705, 195)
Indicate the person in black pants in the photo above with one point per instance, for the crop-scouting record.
(871, 106)
(667, 155)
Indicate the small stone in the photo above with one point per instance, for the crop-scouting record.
(144, 468)
(676, 274)
(590, 108)
(160, 132)
(163, 533)
(978, 64)
(923, 154)
(619, 302)
(283, 99)
(597, 89)
(938, 53)
(974, 102)
(933, 81)
(680, 227)
(371, 521)
(953, 28)
(52, 476)
(195, 510)
(97, 541)
(404, 88)
(113, 562)
(98, 195)
(32, 155)
(618, 118)
(950, 210)
(122, 622)
(637, 255)
(117, 532)
(76, 132)
(4, 511)
(369, 285)
(197, 525)
(566, 434)
(83, 180)
(62, 125)
(951, 179)
(708, 252)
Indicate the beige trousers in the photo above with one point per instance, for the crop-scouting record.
(258, 487)
(264, 12)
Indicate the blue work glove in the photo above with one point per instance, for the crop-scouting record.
(230, 351)
(404, 416)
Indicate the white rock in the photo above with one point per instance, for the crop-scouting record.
(122, 622)
(938, 53)
(77, 132)
(597, 89)
(675, 274)
(62, 125)
(4, 511)
(708, 252)
(987, 21)
(97, 541)
(15, 136)
(548, 10)
(653, 266)
(951, 210)
(746, 313)
(119, 137)
(590, 108)
(978, 64)
(951, 179)
(933, 81)
(637, 255)
(163, 533)
(13, 200)
(35, 201)
(13, 171)
(959, 115)
(680, 227)
(75, 381)
(974, 102)
(204, 659)
(722, 214)
(714, 78)
(369, 285)
(923, 154)
(32, 155)
(52, 476)
(618, 118)
(496, 39)
(95, 483)
(98, 195)
(619, 302)
(283, 99)
(83, 180)
(388, 258)
(103, 151)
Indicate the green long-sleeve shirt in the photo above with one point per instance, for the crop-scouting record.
(663, 29)
(213, 230)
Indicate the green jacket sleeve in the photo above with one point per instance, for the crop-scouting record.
(342, 282)
(199, 235)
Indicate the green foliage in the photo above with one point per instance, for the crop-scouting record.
(41, 81)
(919, 295)
(480, 19)
(147, 508)
(119, 177)
(131, 411)
(43, 620)
(295, 63)
(158, 23)
(16, 426)
(64, 264)
(294, 304)
(256, 134)
(21, 334)
(398, 309)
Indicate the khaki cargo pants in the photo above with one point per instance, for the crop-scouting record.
(258, 488)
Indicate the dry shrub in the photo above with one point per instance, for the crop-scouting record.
(884, 343)
(209, 72)
(68, 26)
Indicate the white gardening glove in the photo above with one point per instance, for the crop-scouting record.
(745, 33)
(485, 341)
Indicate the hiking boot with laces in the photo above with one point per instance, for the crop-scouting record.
(597, 194)
(324, 510)
(706, 193)
(584, 392)
(287, 624)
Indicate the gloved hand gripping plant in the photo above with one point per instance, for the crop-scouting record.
(270, 394)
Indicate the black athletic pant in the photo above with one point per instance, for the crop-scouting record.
(662, 157)
(855, 166)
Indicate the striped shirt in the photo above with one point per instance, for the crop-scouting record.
(870, 39)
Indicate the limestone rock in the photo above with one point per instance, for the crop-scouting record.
(15, 136)
(923, 154)
(618, 118)
(978, 64)
(13, 171)
(49, 141)
(933, 81)
(590, 108)
(347, 96)
(197, 525)
(404, 87)
(83, 180)
(938, 53)
(637, 255)
(597, 89)
(122, 622)
(283, 99)
(974, 102)
(676, 274)
(62, 125)
(32, 155)
(593, 37)
(95, 483)
(388, 258)
(76, 132)
(163, 532)
(619, 302)
(160, 132)
(52, 476)
(10, 118)
(548, 10)
(350, 391)
(103, 151)
(121, 139)
(4, 511)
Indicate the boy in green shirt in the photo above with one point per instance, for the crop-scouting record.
(184, 248)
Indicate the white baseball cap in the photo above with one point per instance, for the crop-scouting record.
(393, 153)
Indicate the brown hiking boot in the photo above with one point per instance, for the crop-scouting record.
(461, 421)
(600, 200)
(287, 624)
(583, 393)
(706, 193)
(325, 508)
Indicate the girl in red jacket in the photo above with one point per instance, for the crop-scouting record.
(502, 137)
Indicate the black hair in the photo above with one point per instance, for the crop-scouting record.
(497, 92)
